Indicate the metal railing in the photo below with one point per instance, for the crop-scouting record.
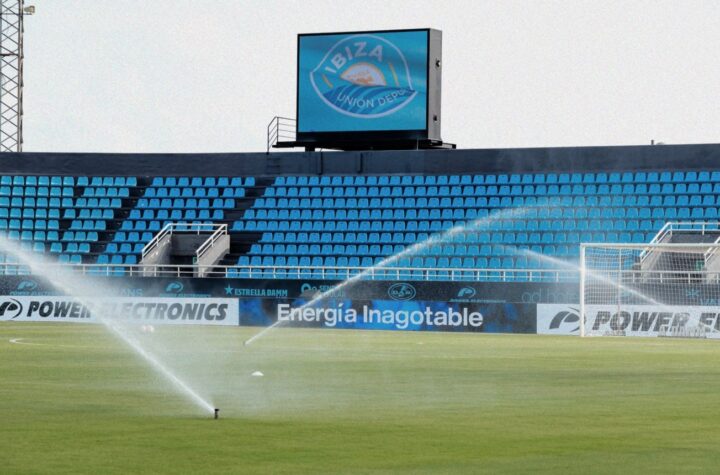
(211, 241)
(185, 228)
(280, 129)
(626, 276)
(304, 272)
(637, 276)
(711, 252)
(701, 227)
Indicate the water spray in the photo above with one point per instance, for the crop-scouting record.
(78, 287)
(476, 225)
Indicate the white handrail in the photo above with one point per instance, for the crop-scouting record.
(210, 242)
(373, 273)
(680, 226)
(152, 244)
(171, 228)
(711, 251)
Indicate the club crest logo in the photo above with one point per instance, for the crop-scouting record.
(401, 291)
(364, 76)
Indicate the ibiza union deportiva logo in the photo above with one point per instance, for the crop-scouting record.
(401, 291)
(364, 76)
(10, 309)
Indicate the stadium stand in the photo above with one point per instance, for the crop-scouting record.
(354, 221)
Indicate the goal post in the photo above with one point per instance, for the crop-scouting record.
(654, 290)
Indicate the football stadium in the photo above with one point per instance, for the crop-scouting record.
(360, 297)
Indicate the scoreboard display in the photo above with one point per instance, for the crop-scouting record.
(384, 83)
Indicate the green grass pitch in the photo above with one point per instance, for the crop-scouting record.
(73, 399)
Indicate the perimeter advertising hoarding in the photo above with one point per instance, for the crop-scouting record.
(155, 310)
(503, 307)
(383, 83)
(631, 320)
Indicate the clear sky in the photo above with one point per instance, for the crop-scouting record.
(208, 75)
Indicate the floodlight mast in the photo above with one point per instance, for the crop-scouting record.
(11, 73)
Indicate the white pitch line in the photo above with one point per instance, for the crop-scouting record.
(18, 341)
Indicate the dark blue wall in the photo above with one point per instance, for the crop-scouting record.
(515, 160)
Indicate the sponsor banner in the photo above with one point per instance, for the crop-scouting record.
(653, 320)
(457, 292)
(507, 307)
(631, 320)
(407, 315)
(558, 319)
(421, 318)
(156, 310)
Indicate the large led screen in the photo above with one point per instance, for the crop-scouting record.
(359, 82)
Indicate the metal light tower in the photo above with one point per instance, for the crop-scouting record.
(11, 73)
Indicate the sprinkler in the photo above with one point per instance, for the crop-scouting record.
(217, 411)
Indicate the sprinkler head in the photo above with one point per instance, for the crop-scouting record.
(217, 413)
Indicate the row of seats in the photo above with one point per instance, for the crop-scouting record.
(88, 224)
(537, 178)
(38, 236)
(492, 190)
(54, 192)
(39, 247)
(54, 213)
(501, 233)
(77, 236)
(137, 236)
(209, 181)
(29, 224)
(183, 203)
(508, 261)
(87, 213)
(194, 192)
(69, 247)
(482, 238)
(106, 203)
(67, 181)
(423, 226)
(52, 224)
(509, 239)
(436, 226)
(472, 214)
(350, 204)
(116, 259)
(105, 192)
(133, 237)
(124, 248)
(70, 259)
(156, 225)
(176, 214)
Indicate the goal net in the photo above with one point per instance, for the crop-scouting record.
(650, 290)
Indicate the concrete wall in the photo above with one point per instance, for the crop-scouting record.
(517, 160)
